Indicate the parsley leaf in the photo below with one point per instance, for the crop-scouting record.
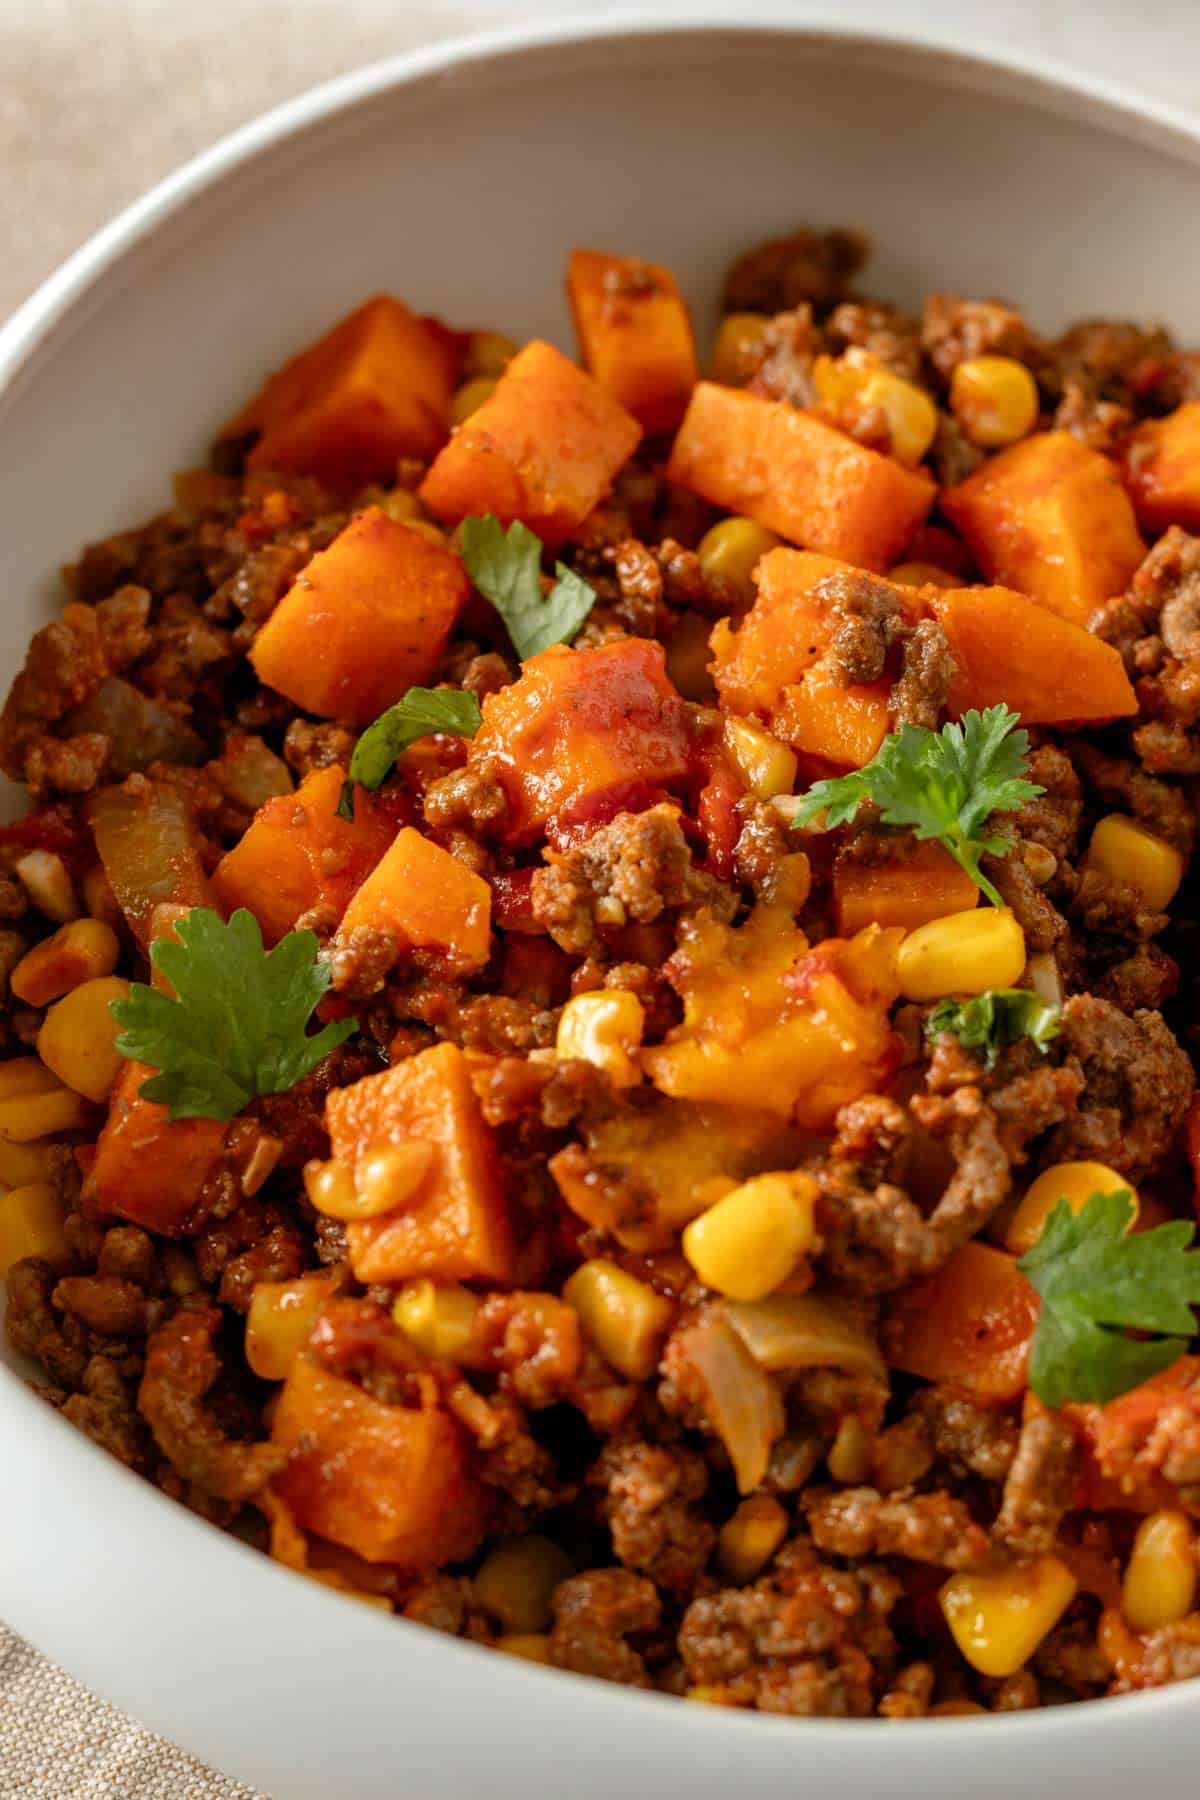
(506, 567)
(419, 714)
(996, 1018)
(236, 1026)
(941, 784)
(1094, 1281)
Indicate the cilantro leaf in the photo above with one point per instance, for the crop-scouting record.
(1095, 1280)
(940, 784)
(506, 567)
(996, 1018)
(236, 1026)
(419, 714)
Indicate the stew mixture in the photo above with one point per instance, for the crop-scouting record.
(595, 1038)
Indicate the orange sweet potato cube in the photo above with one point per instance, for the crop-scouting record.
(543, 448)
(297, 856)
(428, 899)
(919, 883)
(1008, 648)
(394, 1484)
(1162, 470)
(364, 621)
(794, 473)
(580, 724)
(1050, 518)
(376, 387)
(149, 1168)
(456, 1227)
(970, 1324)
(634, 334)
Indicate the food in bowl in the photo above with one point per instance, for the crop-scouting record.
(593, 985)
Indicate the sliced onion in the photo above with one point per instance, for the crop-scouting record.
(147, 840)
(743, 1404)
(250, 773)
(141, 730)
(804, 1331)
(1045, 978)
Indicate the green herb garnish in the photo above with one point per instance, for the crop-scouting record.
(236, 1028)
(1096, 1282)
(996, 1018)
(506, 567)
(940, 784)
(421, 713)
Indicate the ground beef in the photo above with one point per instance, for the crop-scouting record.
(808, 266)
(929, 1528)
(967, 1438)
(954, 331)
(785, 358)
(650, 1504)
(1138, 1084)
(884, 332)
(1041, 1484)
(866, 617)
(1052, 819)
(926, 670)
(181, 1367)
(1125, 787)
(595, 1615)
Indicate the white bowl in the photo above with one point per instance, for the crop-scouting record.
(459, 178)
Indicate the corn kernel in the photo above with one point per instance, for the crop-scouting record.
(279, 1319)
(439, 1320)
(749, 1540)
(78, 1038)
(1160, 1576)
(516, 1582)
(387, 1176)
(531, 1646)
(22, 1164)
(605, 1029)
(1074, 1182)
(994, 399)
(31, 1224)
(964, 953)
(30, 1116)
(855, 382)
(470, 397)
(26, 1075)
(733, 549)
(44, 877)
(402, 505)
(623, 1317)
(751, 1240)
(849, 1455)
(923, 574)
(1129, 853)
(769, 767)
(81, 951)
(999, 1618)
(738, 347)
(330, 1187)
(488, 353)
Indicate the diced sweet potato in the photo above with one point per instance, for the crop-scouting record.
(456, 1227)
(1049, 517)
(970, 1324)
(147, 841)
(921, 882)
(1008, 648)
(1162, 470)
(392, 1483)
(376, 387)
(297, 856)
(791, 471)
(842, 725)
(428, 899)
(578, 724)
(149, 1168)
(634, 334)
(364, 621)
(543, 448)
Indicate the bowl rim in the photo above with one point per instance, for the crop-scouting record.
(1046, 82)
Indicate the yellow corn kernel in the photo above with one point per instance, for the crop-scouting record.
(749, 1540)
(439, 1320)
(98, 898)
(387, 1176)
(531, 1646)
(82, 951)
(279, 1319)
(31, 1224)
(768, 766)
(488, 353)
(1160, 1576)
(21, 1164)
(994, 399)
(964, 953)
(605, 1029)
(923, 574)
(855, 382)
(330, 1187)
(26, 1075)
(78, 1038)
(999, 1618)
(516, 1582)
(736, 352)
(849, 1455)
(623, 1317)
(751, 1240)
(402, 505)
(470, 397)
(1074, 1182)
(44, 877)
(733, 549)
(1128, 852)
(30, 1116)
